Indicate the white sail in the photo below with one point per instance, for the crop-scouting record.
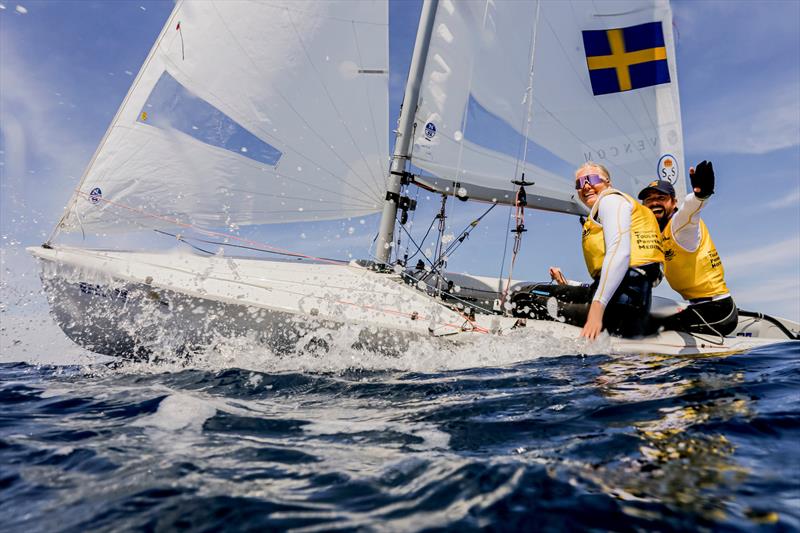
(248, 112)
(508, 89)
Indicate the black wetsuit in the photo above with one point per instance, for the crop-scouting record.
(706, 316)
(627, 313)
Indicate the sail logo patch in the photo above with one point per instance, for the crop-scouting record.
(668, 168)
(430, 130)
(625, 59)
(95, 195)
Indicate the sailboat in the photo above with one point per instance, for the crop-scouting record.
(250, 113)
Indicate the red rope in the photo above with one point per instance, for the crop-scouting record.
(186, 225)
(519, 217)
(210, 232)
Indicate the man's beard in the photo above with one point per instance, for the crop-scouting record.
(663, 217)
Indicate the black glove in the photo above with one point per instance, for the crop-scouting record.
(703, 178)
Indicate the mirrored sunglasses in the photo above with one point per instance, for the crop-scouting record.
(592, 179)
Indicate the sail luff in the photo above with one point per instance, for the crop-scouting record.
(242, 98)
(404, 136)
(76, 192)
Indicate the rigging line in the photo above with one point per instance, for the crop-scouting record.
(419, 246)
(434, 270)
(241, 246)
(520, 220)
(328, 94)
(457, 242)
(150, 55)
(440, 258)
(587, 90)
(397, 312)
(196, 228)
(464, 119)
(466, 318)
(184, 241)
(291, 107)
(486, 310)
(505, 250)
(554, 117)
(491, 154)
(529, 91)
(378, 150)
(411, 223)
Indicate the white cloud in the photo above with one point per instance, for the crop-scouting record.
(43, 154)
(756, 124)
(791, 199)
(779, 296)
(764, 259)
(767, 279)
(21, 10)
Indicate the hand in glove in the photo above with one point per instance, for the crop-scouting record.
(702, 180)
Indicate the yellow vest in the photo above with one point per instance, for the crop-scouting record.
(645, 237)
(697, 274)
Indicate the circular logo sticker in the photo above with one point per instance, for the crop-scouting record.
(95, 195)
(668, 168)
(430, 130)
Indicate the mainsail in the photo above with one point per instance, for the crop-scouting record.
(246, 113)
(540, 87)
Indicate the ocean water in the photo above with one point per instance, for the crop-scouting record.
(516, 435)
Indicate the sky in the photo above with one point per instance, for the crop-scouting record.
(66, 66)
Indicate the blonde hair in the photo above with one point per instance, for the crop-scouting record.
(591, 163)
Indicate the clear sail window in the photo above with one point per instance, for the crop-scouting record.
(173, 106)
(486, 129)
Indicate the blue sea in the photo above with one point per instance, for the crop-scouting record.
(342, 441)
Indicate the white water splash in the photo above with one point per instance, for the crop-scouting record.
(178, 412)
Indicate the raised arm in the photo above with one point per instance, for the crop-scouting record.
(686, 222)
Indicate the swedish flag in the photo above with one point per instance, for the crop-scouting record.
(624, 59)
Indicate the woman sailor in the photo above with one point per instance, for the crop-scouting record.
(622, 249)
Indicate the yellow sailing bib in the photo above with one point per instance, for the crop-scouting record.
(697, 274)
(645, 237)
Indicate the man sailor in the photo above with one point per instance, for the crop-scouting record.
(693, 267)
(622, 249)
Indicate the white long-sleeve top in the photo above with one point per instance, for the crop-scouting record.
(686, 223)
(614, 215)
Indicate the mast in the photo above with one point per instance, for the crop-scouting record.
(403, 138)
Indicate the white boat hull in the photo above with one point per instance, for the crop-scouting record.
(128, 304)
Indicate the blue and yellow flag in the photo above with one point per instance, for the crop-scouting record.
(624, 59)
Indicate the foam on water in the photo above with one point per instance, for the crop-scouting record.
(179, 412)
(338, 354)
